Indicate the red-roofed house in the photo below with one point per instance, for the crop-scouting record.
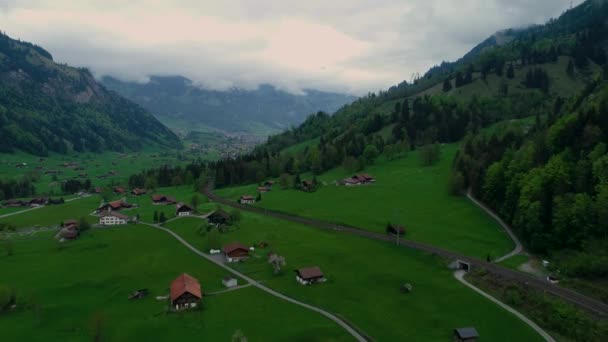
(235, 252)
(138, 192)
(185, 292)
(113, 206)
(119, 190)
(162, 199)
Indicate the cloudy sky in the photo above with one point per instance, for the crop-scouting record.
(351, 46)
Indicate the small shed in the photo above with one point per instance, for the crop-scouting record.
(395, 229)
(468, 334)
(185, 292)
(235, 252)
(246, 199)
(230, 282)
(309, 275)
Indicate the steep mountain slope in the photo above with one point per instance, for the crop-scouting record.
(45, 106)
(179, 103)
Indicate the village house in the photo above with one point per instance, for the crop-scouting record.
(358, 179)
(113, 206)
(162, 199)
(308, 185)
(37, 202)
(235, 252)
(98, 190)
(268, 184)
(182, 209)
(263, 189)
(219, 217)
(67, 234)
(185, 292)
(310, 275)
(70, 224)
(112, 218)
(466, 334)
(138, 192)
(246, 199)
(119, 190)
(230, 282)
(395, 229)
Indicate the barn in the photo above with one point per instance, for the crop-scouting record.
(185, 292)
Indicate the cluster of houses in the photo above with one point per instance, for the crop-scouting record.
(34, 202)
(358, 179)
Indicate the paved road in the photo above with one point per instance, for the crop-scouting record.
(518, 246)
(574, 297)
(255, 283)
(460, 276)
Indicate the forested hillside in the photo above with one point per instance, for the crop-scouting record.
(550, 181)
(525, 75)
(45, 106)
(180, 104)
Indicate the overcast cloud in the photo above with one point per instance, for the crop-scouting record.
(351, 46)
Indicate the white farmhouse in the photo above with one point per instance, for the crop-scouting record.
(112, 218)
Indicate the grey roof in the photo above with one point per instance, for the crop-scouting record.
(466, 333)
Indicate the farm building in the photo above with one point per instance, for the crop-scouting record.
(182, 209)
(466, 334)
(67, 234)
(185, 292)
(230, 282)
(219, 217)
(235, 252)
(246, 199)
(37, 202)
(308, 185)
(358, 179)
(162, 199)
(112, 218)
(113, 206)
(119, 190)
(263, 189)
(395, 229)
(70, 224)
(309, 275)
(138, 192)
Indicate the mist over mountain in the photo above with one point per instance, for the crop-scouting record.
(180, 104)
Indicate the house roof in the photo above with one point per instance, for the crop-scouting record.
(70, 222)
(231, 247)
(262, 188)
(183, 207)
(115, 214)
(185, 284)
(158, 198)
(247, 197)
(352, 180)
(466, 333)
(310, 272)
(138, 191)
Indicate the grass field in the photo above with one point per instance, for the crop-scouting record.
(405, 193)
(58, 299)
(52, 215)
(363, 282)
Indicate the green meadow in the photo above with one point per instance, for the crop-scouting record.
(364, 277)
(405, 193)
(52, 215)
(85, 284)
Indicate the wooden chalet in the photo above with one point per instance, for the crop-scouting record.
(246, 199)
(469, 334)
(185, 292)
(235, 252)
(70, 224)
(358, 179)
(163, 199)
(119, 190)
(138, 192)
(395, 229)
(309, 275)
(182, 209)
(308, 185)
(37, 202)
(219, 217)
(113, 206)
(67, 234)
(263, 189)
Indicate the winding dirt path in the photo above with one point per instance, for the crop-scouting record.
(257, 284)
(459, 275)
(518, 246)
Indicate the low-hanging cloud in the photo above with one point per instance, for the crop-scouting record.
(351, 46)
